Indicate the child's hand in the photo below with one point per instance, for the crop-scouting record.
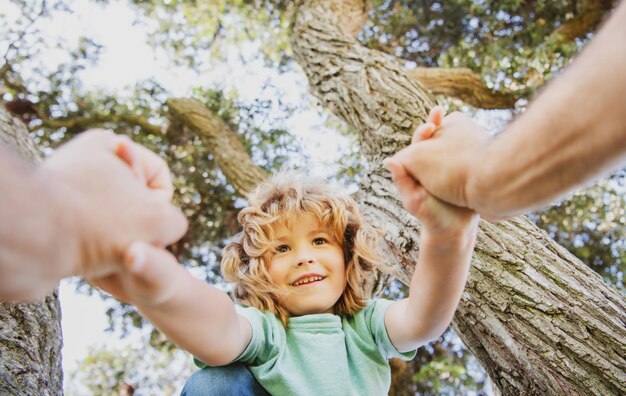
(148, 168)
(428, 129)
(148, 277)
(439, 219)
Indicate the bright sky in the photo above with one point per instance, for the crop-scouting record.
(83, 321)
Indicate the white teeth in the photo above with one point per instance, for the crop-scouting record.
(307, 280)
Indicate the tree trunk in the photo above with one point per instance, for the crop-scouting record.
(30, 334)
(539, 320)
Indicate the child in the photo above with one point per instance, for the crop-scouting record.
(301, 265)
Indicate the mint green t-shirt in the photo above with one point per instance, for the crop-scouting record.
(321, 354)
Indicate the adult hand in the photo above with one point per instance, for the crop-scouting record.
(446, 223)
(442, 155)
(110, 193)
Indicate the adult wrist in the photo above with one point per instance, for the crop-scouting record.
(60, 225)
(478, 166)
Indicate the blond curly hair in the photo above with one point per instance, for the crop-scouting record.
(279, 200)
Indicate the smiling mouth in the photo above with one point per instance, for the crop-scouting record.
(308, 280)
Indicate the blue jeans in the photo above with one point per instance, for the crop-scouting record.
(234, 379)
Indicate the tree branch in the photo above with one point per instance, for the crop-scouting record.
(225, 146)
(590, 14)
(469, 87)
(464, 84)
(73, 122)
(352, 14)
(97, 119)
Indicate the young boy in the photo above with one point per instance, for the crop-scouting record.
(300, 265)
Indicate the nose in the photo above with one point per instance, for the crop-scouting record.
(304, 257)
(304, 261)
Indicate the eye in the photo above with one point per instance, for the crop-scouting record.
(319, 241)
(282, 249)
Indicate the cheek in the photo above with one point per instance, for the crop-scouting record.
(339, 264)
(275, 269)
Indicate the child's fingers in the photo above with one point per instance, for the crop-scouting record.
(423, 132)
(126, 150)
(436, 115)
(404, 182)
(428, 132)
(157, 172)
(412, 193)
(149, 265)
(148, 167)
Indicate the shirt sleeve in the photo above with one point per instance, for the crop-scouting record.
(260, 346)
(376, 319)
(257, 342)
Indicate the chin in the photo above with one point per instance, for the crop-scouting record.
(310, 311)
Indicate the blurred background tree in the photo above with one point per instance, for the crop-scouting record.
(130, 370)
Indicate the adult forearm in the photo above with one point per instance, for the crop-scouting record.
(36, 246)
(575, 130)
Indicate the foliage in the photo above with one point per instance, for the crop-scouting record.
(187, 28)
(503, 41)
(510, 43)
(444, 367)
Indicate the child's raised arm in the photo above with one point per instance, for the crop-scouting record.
(445, 249)
(194, 315)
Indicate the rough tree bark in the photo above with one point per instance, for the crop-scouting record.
(539, 320)
(30, 334)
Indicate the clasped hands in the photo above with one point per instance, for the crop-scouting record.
(115, 209)
(441, 157)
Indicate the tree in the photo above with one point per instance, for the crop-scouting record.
(538, 320)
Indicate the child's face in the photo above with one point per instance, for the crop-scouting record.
(309, 264)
